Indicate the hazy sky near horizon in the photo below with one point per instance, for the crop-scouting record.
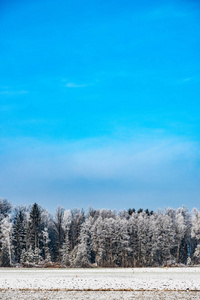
(100, 103)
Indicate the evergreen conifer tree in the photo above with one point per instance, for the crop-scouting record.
(35, 220)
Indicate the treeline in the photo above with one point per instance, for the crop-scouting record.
(30, 236)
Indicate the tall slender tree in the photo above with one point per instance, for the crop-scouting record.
(35, 222)
(58, 224)
(19, 232)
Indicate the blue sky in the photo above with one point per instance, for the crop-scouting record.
(99, 103)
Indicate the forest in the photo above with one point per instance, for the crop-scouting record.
(32, 237)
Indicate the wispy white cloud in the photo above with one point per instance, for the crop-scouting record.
(7, 107)
(192, 79)
(164, 168)
(187, 79)
(166, 11)
(13, 93)
(74, 85)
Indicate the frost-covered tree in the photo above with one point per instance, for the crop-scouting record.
(98, 238)
(19, 226)
(35, 222)
(58, 222)
(28, 230)
(83, 253)
(196, 225)
(134, 240)
(5, 209)
(45, 223)
(26, 256)
(168, 239)
(66, 249)
(103, 238)
(121, 242)
(162, 238)
(46, 240)
(195, 233)
(77, 219)
(65, 252)
(6, 241)
(31, 257)
(183, 231)
(197, 254)
(144, 238)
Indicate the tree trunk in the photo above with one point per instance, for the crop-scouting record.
(177, 256)
(35, 239)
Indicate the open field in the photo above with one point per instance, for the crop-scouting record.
(100, 295)
(151, 283)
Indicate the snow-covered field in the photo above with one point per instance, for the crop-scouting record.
(61, 295)
(151, 283)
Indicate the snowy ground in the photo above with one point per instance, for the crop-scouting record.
(60, 295)
(151, 283)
